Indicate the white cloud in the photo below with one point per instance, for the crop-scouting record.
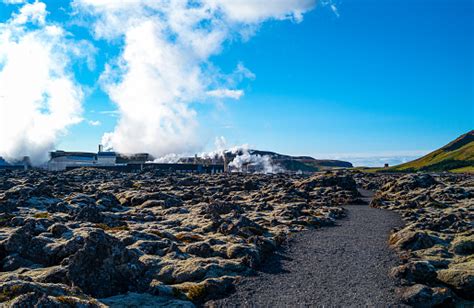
(13, 1)
(112, 113)
(165, 68)
(256, 11)
(31, 12)
(38, 96)
(335, 10)
(94, 123)
(226, 93)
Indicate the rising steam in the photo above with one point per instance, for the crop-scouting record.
(164, 67)
(38, 96)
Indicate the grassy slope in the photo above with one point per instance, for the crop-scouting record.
(457, 155)
(311, 166)
(469, 169)
(294, 165)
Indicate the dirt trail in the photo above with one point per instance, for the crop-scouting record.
(346, 265)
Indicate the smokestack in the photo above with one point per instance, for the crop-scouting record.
(226, 164)
(101, 148)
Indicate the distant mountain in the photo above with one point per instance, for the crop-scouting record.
(456, 156)
(300, 163)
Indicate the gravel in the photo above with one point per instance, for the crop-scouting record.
(346, 265)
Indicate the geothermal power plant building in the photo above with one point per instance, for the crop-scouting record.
(62, 160)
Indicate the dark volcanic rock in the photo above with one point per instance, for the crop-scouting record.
(438, 210)
(150, 237)
(104, 266)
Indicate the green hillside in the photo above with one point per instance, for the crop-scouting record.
(457, 156)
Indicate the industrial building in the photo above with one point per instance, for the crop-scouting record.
(62, 160)
(165, 167)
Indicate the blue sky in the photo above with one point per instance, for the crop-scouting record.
(386, 76)
(390, 79)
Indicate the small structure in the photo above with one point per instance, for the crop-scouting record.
(22, 164)
(134, 159)
(60, 160)
(106, 158)
(385, 166)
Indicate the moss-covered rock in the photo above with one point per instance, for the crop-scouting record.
(420, 295)
(417, 271)
(460, 277)
(463, 245)
(408, 239)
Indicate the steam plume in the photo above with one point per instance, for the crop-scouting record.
(257, 163)
(38, 96)
(164, 67)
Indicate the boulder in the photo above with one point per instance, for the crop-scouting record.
(423, 296)
(249, 255)
(463, 245)
(23, 242)
(144, 300)
(417, 271)
(200, 249)
(90, 213)
(20, 293)
(407, 239)
(116, 269)
(208, 289)
(460, 277)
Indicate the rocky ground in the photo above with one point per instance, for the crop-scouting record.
(437, 243)
(92, 238)
(343, 266)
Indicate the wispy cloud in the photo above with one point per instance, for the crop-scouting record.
(94, 123)
(112, 113)
(13, 1)
(226, 93)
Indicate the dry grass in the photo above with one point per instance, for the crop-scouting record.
(188, 237)
(42, 215)
(112, 229)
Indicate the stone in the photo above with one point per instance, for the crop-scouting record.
(144, 300)
(111, 234)
(407, 239)
(200, 249)
(90, 213)
(423, 296)
(463, 245)
(460, 277)
(14, 261)
(415, 271)
(116, 269)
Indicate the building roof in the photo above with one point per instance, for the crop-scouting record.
(106, 154)
(74, 154)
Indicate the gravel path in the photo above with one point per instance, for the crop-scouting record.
(343, 266)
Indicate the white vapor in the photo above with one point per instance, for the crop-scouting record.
(248, 162)
(165, 65)
(39, 99)
(244, 160)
